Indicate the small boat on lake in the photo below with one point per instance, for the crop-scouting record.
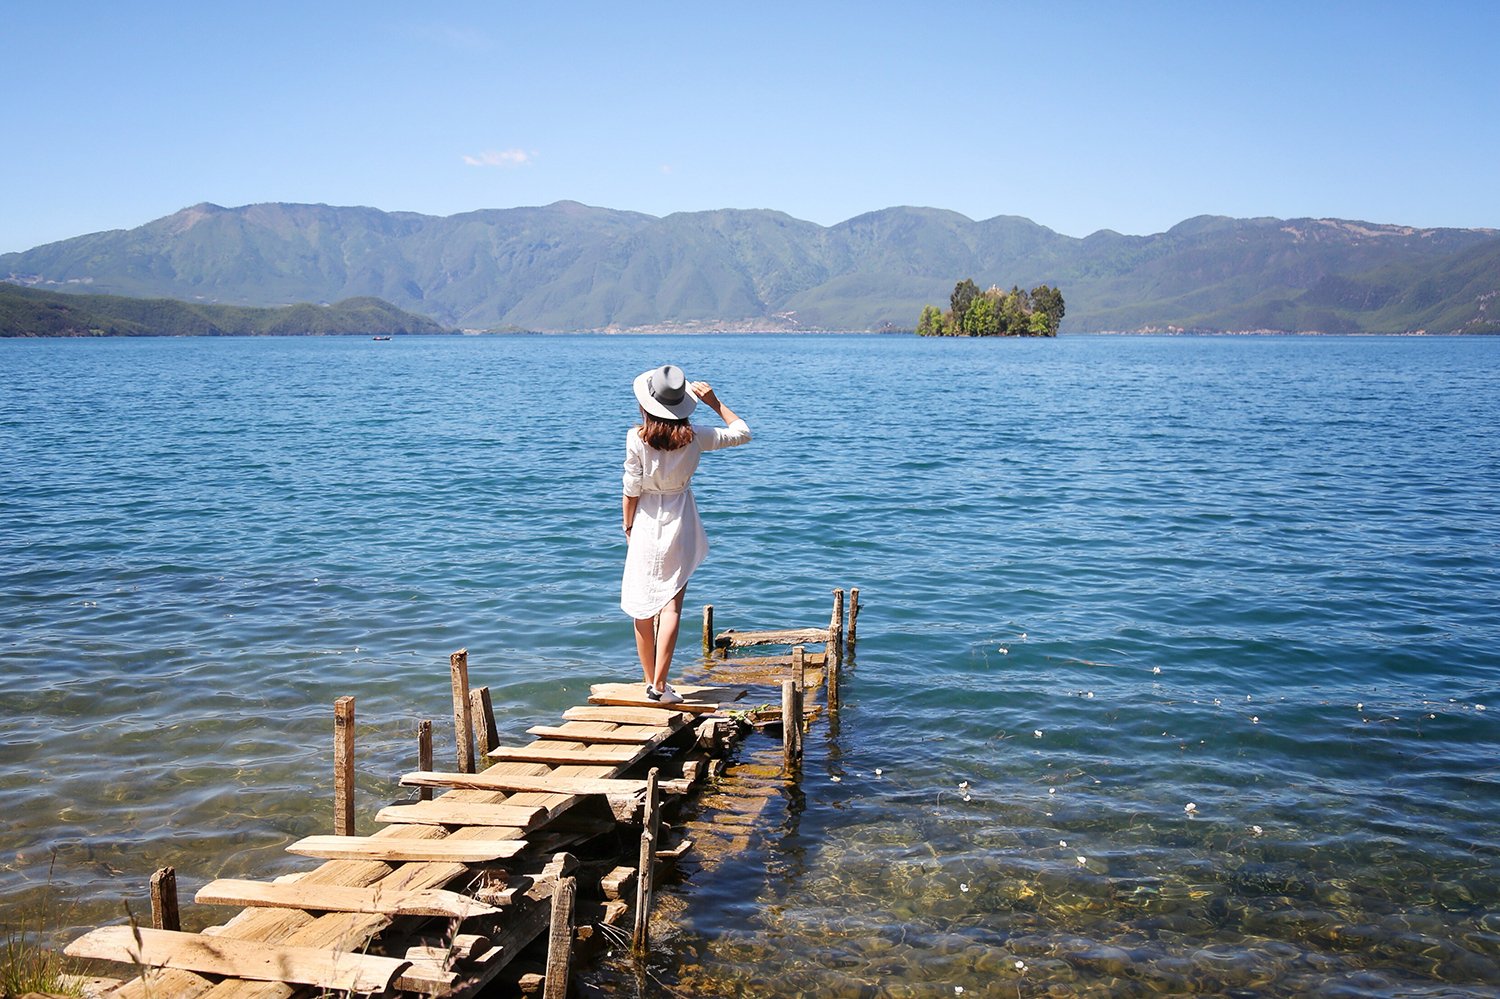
(379, 338)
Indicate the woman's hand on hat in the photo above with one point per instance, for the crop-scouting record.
(705, 394)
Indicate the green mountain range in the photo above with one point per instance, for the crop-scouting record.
(568, 266)
(31, 312)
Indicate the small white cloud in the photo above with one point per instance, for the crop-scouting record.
(666, 168)
(500, 158)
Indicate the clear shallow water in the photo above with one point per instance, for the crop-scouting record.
(204, 542)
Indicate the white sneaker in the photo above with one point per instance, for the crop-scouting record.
(670, 696)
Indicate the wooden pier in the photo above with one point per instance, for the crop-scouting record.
(557, 840)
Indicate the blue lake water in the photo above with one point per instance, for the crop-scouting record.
(1103, 579)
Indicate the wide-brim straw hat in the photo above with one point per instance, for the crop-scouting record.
(663, 392)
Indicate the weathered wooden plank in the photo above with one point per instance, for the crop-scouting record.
(560, 941)
(340, 898)
(655, 716)
(550, 783)
(694, 698)
(729, 665)
(597, 732)
(343, 766)
(329, 969)
(445, 812)
(777, 636)
(544, 751)
(403, 851)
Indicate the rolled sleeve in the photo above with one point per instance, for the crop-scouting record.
(634, 477)
(714, 438)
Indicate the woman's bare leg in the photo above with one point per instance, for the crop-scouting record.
(645, 646)
(667, 621)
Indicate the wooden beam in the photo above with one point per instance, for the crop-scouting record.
(650, 830)
(343, 766)
(463, 728)
(560, 941)
(390, 850)
(446, 812)
(853, 617)
(341, 971)
(708, 629)
(341, 898)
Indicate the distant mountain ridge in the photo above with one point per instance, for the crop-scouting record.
(568, 266)
(30, 312)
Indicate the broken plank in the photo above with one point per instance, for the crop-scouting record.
(441, 811)
(544, 751)
(598, 732)
(462, 851)
(339, 898)
(782, 636)
(256, 960)
(654, 716)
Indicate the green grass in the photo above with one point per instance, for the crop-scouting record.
(28, 965)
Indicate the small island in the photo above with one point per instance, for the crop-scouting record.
(972, 312)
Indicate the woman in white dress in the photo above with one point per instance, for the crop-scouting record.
(666, 539)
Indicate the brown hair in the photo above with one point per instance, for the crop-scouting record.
(665, 435)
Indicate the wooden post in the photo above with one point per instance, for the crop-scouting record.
(164, 914)
(424, 755)
(708, 629)
(463, 728)
(835, 646)
(853, 618)
(791, 725)
(799, 675)
(645, 879)
(560, 940)
(343, 766)
(484, 720)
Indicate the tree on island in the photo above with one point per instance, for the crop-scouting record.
(972, 312)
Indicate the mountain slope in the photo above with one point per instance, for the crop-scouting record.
(29, 312)
(570, 266)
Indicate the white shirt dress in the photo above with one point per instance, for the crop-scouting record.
(666, 539)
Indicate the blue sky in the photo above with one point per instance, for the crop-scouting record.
(1081, 116)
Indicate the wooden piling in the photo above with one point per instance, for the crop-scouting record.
(164, 913)
(708, 629)
(791, 725)
(853, 618)
(424, 755)
(483, 712)
(343, 766)
(463, 728)
(836, 629)
(560, 940)
(799, 672)
(645, 881)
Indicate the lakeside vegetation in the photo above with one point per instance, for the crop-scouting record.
(993, 312)
(28, 312)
